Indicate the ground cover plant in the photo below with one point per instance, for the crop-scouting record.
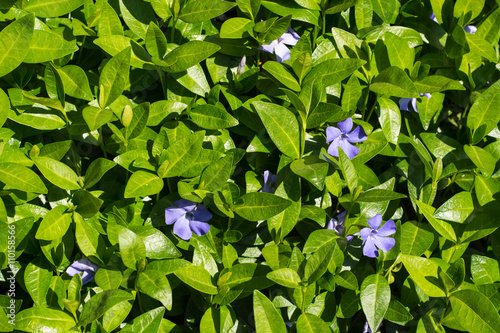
(249, 166)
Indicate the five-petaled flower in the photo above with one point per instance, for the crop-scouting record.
(338, 225)
(278, 46)
(269, 182)
(404, 102)
(342, 138)
(374, 238)
(84, 266)
(188, 217)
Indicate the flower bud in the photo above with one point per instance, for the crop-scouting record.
(127, 116)
(241, 67)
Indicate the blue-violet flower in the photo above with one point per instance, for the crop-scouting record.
(338, 225)
(188, 217)
(269, 182)
(85, 267)
(471, 29)
(341, 138)
(278, 46)
(374, 238)
(404, 102)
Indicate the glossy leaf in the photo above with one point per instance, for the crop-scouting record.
(270, 320)
(15, 40)
(375, 298)
(260, 206)
(154, 284)
(21, 178)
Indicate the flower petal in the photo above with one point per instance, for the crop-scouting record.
(345, 126)
(172, 214)
(369, 248)
(331, 224)
(282, 52)
(387, 229)
(182, 229)
(414, 104)
(348, 149)
(471, 29)
(84, 264)
(293, 33)
(384, 243)
(357, 135)
(72, 271)
(187, 205)
(426, 95)
(332, 133)
(201, 214)
(365, 233)
(375, 221)
(289, 39)
(334, 147)
(403, 104)
(269, 47)
(199, 228)
(341, 216)
(433, 17)
(87, 276)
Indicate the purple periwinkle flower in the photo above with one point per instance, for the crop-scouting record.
(343, 139)
(241, 66)
(433, 17)
(471, 29)
(367, 329)
(278, 46)
(374, 238)
(85, 267)
(189, 217)
(269, 182)
(404, 102)
(338, 225)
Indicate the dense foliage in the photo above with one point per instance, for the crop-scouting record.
(240, 166)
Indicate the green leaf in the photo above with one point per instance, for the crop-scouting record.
(216, 174)
(347, 279)
(318, 263)
(393, 81)
(375, 297)
(474, 311)
(96, 170)
(43, 319)
(311, 168)
(154, 284)
(212, 117)
(132, 248)
(58, 173)
(158, 246)
(483, 116)
(398, 313)
(37, 278)
(249, 7)
(258, 206)
(143, 183)
(156, 43)
(482, 159)
(436, 83)
(114, 77)
(422, 271)
(282, 126)
(108, 278)
(485, 189)
(414, 239)
(236, 27)
(139, 121)
(55, 224)
(442, 227)
(87, 237)
(96, 117)
(332, 71)
(75, 82)
(310, 323)
(187, 55)
(198, 278)
(146, 322)
(137, 15)
(348, 171)
(46, 46)
(286, 277)
(282, 75)
(326, 112)
(484, 270)
(38, 118)
(181, 154)
(109, 22)
(4, 105)
(202, 10)
(21, 178)
(375, 195)
(115, 44)
(102, 302)
(389, 117)
(464, 7)
(352, 91)
(269, 319)
(456, 209)
(53, 8)
(15, 40)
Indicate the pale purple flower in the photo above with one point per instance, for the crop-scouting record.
(84, 266)
(343, 139)
(189, 217)
(269, 182)
(278, 46)
(339, 225)
(374, 238)
(433, 17)
(367, 329)
(404, 102)
(471, 29)
(241, 66)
